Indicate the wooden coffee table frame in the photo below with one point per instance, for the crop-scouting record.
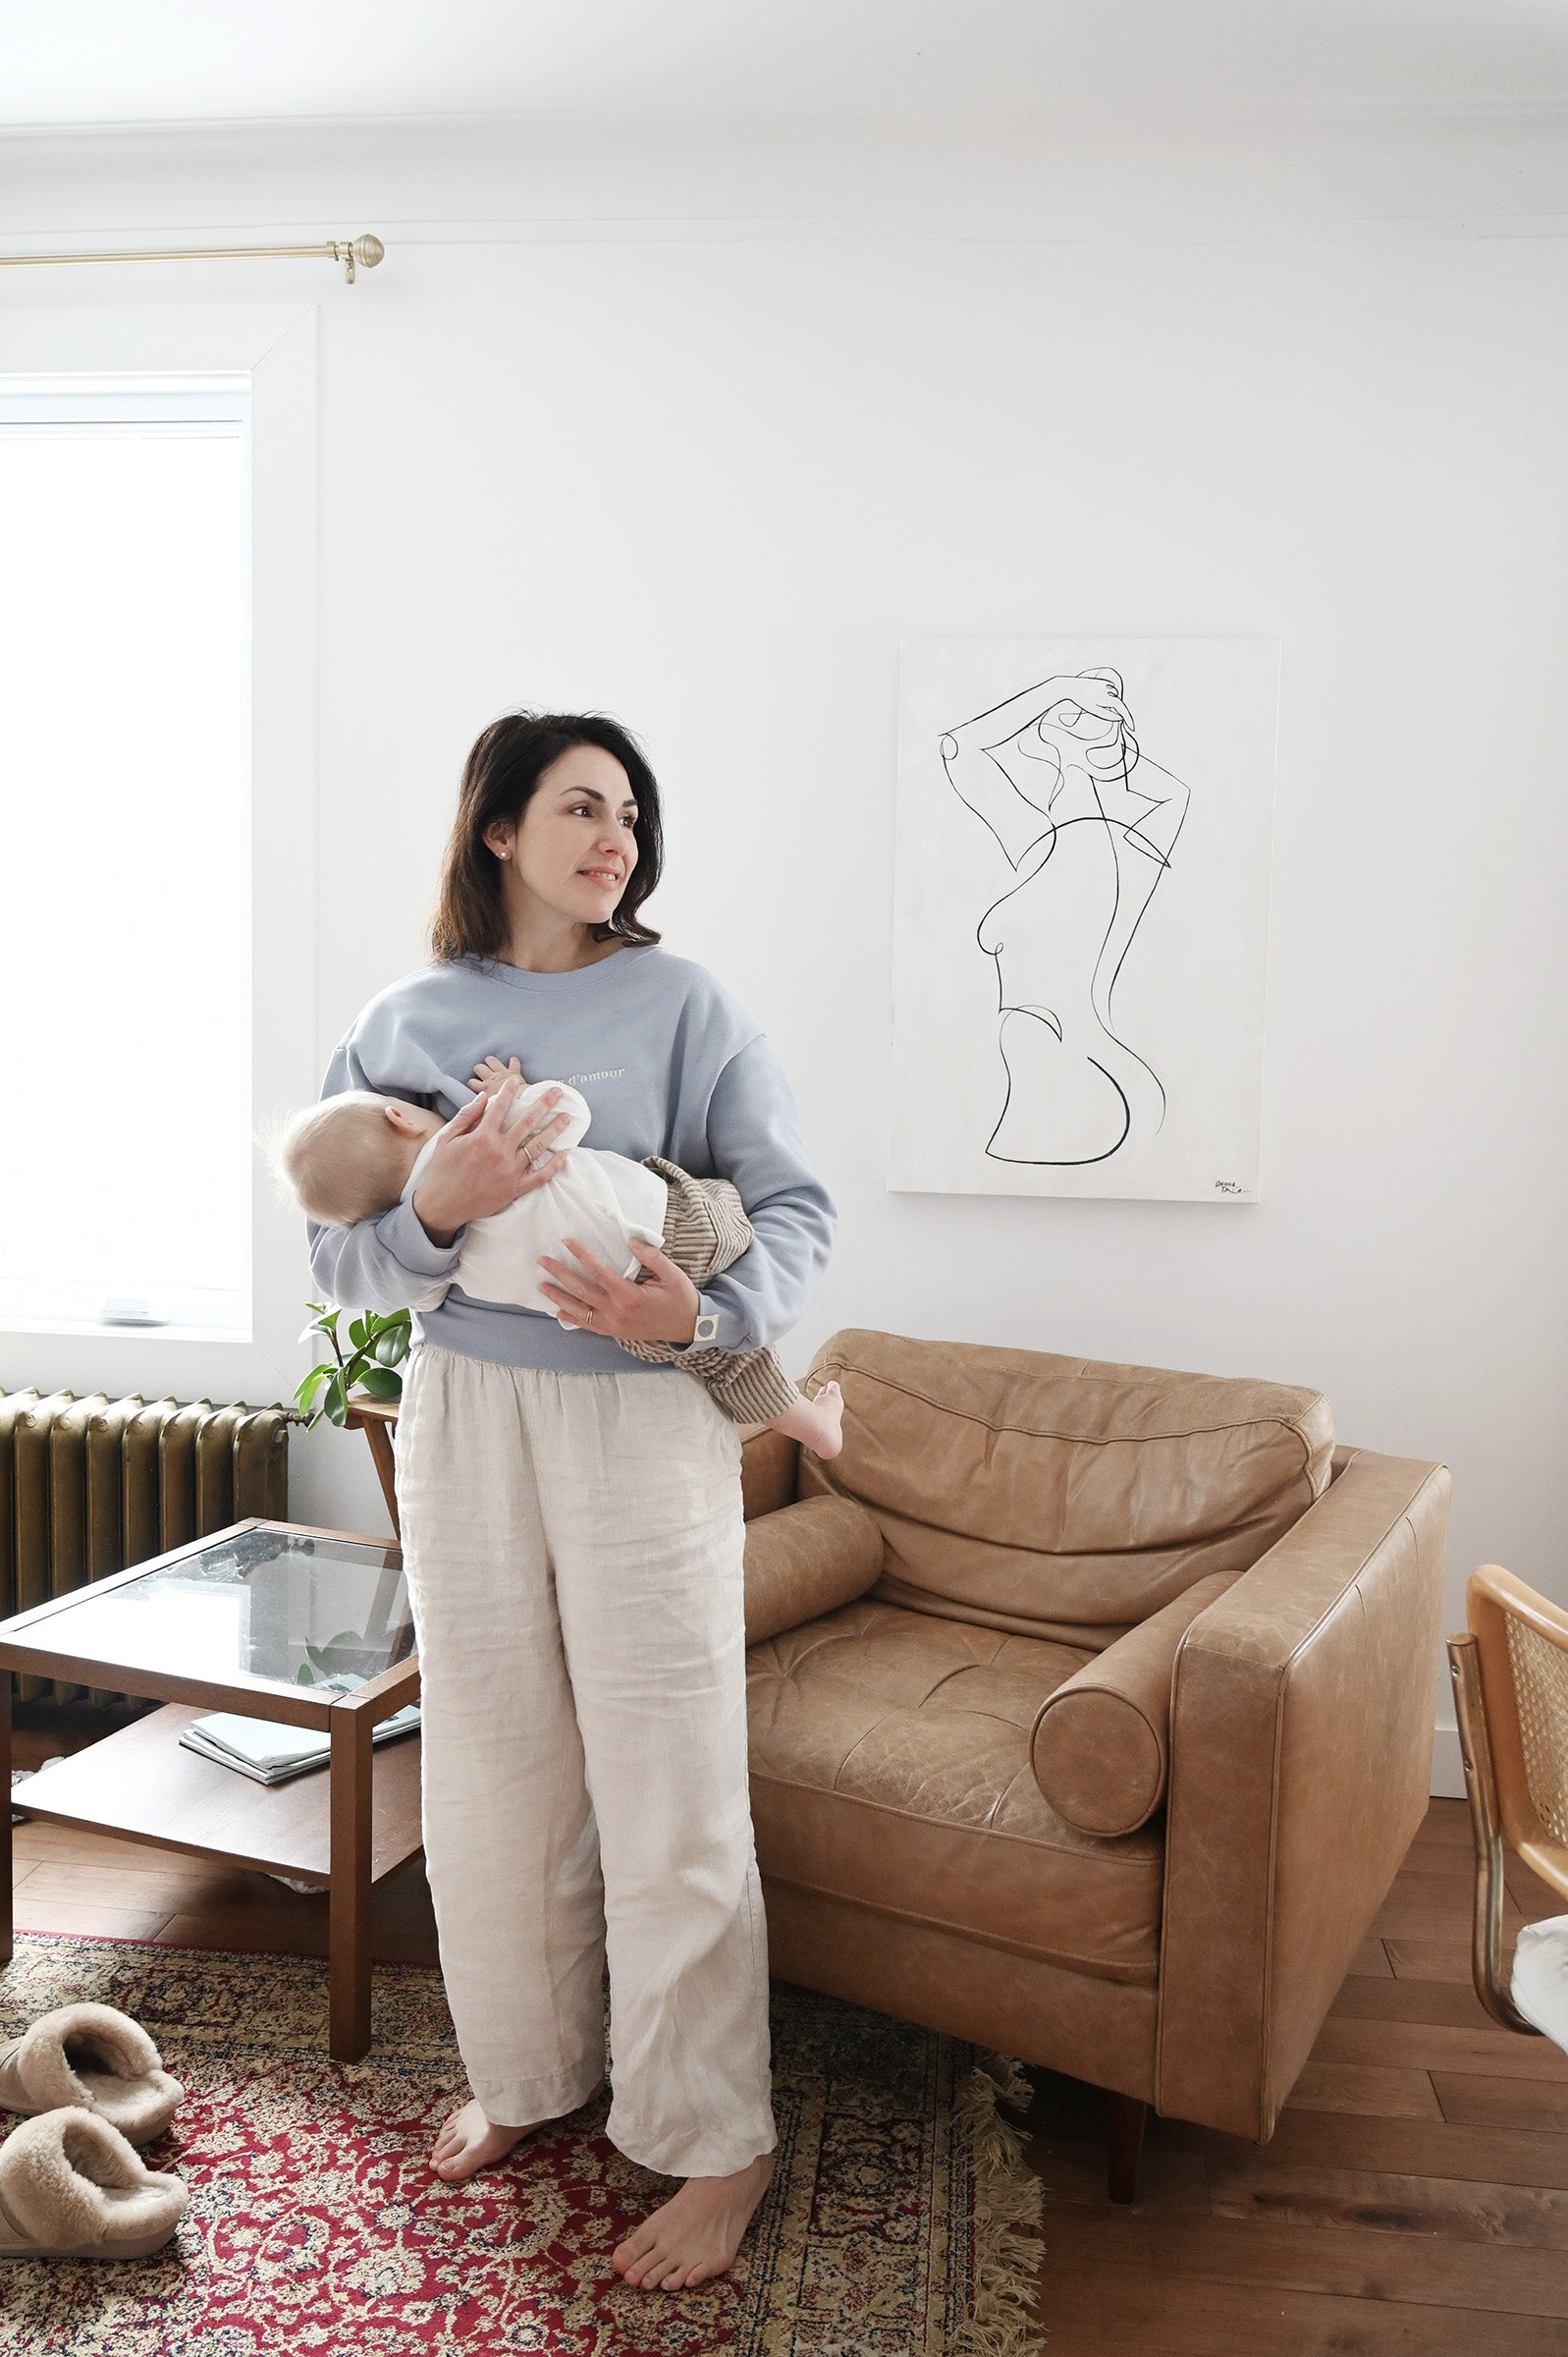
(349, 1829)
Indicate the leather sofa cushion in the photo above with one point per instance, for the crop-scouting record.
(1061, 1497)
(805, 1558)
(1102, 1741)
(889, 1765)
(769, 1462)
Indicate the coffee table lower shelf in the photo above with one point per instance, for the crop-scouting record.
(141, 1784)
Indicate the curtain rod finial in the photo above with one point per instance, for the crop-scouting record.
(366, 251)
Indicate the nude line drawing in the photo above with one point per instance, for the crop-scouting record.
(1051, 773)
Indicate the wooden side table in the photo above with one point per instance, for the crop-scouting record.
(188, 1629)
(377, 1419)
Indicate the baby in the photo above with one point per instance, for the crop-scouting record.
(354, 1155)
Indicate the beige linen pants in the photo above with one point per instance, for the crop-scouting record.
(574, 1547)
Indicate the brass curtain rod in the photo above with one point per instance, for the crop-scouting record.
(367, 251)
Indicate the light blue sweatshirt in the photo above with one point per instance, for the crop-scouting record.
(668, 1062)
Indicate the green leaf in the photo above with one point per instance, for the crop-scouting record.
(379, 1341)
(304, 1676)
(306, 1394)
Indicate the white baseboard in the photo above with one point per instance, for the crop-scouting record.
(1447, 1768)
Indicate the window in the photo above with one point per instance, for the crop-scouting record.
(125, 885)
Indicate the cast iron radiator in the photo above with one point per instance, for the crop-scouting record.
(93, 1486)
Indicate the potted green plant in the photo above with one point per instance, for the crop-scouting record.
(378, 1344)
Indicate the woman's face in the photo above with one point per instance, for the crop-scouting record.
(574, 847)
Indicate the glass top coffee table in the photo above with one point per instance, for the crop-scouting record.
(260, 1620)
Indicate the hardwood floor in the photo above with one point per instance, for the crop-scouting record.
(1414, 2198)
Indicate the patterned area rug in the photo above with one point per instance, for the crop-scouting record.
(897, 2224)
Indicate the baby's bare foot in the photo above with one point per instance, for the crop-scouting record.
(697, 2232)
(470, 2141)
(818, 1422)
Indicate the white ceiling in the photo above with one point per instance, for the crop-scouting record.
(1055, 63)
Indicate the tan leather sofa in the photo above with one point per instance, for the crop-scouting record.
(1091, 1711)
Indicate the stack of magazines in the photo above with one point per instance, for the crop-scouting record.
(271, 1753)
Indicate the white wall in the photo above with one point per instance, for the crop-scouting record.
(699, 435)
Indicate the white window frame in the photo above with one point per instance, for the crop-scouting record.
(97, 355)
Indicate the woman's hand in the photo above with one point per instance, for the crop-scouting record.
(480, 1166)
(1094, 691)
(659, 1308)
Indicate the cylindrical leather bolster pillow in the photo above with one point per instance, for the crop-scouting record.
(1101, 1745)
(807, 1558)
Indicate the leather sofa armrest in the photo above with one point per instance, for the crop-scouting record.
(770, 1471)
(1302, 1716)
(805, 1560)
(1102, 1741)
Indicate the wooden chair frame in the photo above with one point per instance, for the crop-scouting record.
(1487, 1709)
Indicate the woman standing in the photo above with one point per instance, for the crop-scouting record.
(571, 1515)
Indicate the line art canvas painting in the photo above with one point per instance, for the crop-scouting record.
(1080, 917)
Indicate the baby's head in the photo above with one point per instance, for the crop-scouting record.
(349, 1156)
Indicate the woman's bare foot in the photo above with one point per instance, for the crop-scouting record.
(819, 1422)
(469, 2141)
(697, 2232)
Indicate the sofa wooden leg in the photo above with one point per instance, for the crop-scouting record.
(1127, 2117)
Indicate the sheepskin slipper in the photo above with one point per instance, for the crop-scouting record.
(96, 2058)
(70, 2187)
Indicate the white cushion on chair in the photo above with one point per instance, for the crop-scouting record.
(1541, 1977)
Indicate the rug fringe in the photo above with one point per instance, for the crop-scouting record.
(1009, 2197)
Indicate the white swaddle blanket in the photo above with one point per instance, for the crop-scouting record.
(601, 1200)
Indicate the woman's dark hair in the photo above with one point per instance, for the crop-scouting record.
(499, 781)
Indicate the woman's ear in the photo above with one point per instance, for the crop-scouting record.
(498, 837)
